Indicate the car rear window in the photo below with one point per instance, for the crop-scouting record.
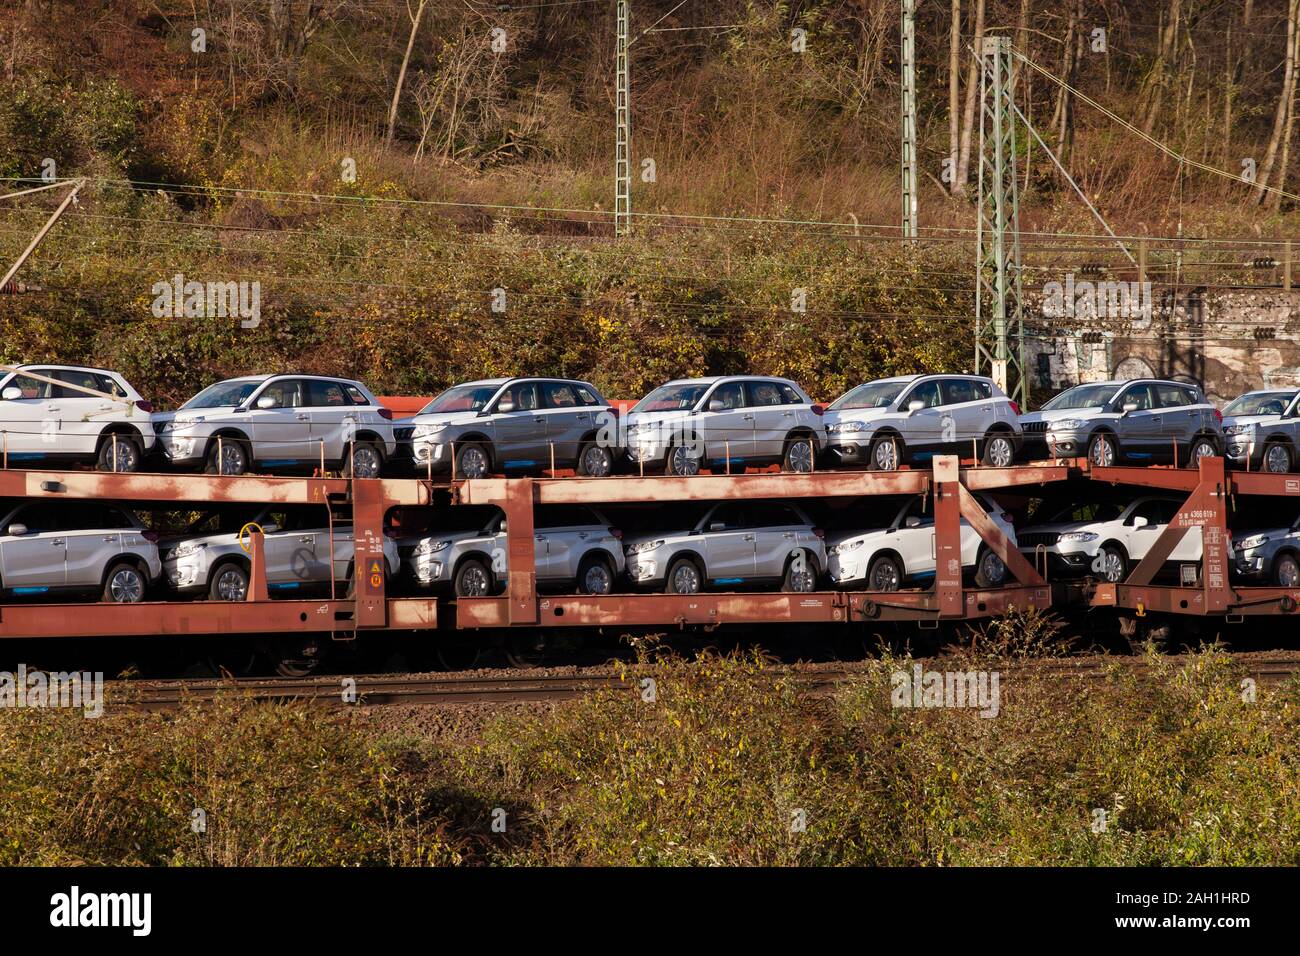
(357, 396)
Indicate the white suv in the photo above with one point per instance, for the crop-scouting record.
(735, 544)
(573, 546)
(1106, 539)
(71, 413)
(280, 421)
(884, 559)
(76, 546)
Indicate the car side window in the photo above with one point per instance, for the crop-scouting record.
(1172, 396)
(1139, 395)
(564, 516)
(559, 395)
(775, 516)
(1151, 510)
(524, 395)
(356, 396)
(325, 394)
(81, 380)
(287, 393)
(731, 517)
(958, 391)
(41, 517)
(31, 388)
(927, 393)
(730, 394)
(585, 396)
(765, 393)
(789, 394)
(920, 509)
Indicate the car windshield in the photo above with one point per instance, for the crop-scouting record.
(462, 398)
(1082, 396)
(1260, 403)
(667, 398)
(871, 395)
(222, 394)
(1105, 511)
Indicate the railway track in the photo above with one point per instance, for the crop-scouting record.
(522, 687)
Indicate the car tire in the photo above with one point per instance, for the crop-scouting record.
(1201, 447)
(800, 582)
(595, 575)
(681, 463)
(230, 581)
(799, 454)
(365, 458)
(1286, 570)
(235, 454)
(999, 450)
(1114, 563)
(886, 454)
(1277, 458)
(884, 574)
(125, 583)
(129, 454)
(1103, 450)
(473, 460)
(684, 577)
(474, 579)
(990, 572)
(595, 461)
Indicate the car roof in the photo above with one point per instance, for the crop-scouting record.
(69, 368)
(712, 379)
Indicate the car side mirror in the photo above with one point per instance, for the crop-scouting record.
(913, 522)
(1139, 521)
(915, 406)
(266, 401)
(1130, 407)
(506, 405)
(12, 394)
(717, 526)
(716, 405)
(17, 530)
(270, 528)
(502, 529)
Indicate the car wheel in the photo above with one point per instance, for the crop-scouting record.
(227, 457)
(990, 572)
(473, 461)
(124, 584)
(798, 454)
(681, 462)
(595, 461)
(1201, 448)
(595, 576)
(999, 451)
(1286, 571)
(122, 455)
(684, 577)
(886, 454)
(884, 574)
(1277, 458)
(1112, 563)
(800, 576)
(364, 460)
(473, 579)
(1102, 451)
(229, 583)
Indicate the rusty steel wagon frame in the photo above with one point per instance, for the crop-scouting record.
(521, 606)
(1209, 490)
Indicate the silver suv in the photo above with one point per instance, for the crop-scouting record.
(71, 413)
(76, 546)
(736, 544)
(575, 546)
(508, 424)
(1141, 421)
(1270, 555)
(279, 421)
(892, 421)
(209, 557)
(725, 421)
(1262, 430)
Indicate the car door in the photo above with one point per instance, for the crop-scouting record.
(562, 534)
(521, 440)
(1140, 431)
(1180, 416)
(924, 430)
(93, 535)
(292, 557)
(773, 417)
(728, 542)
(914, 537)
(82, 416)
(726, 424)
(776, 534)
(1139, 539)
(333, 418)
(35, 561)
(567, 420)
(281, 432)
(963, 417)
(29, 424)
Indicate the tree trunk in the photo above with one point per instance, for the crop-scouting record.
(401, 73)
(1061, 124)
(1282, 113)
(954, 95)
(1158, 78)
(972, 90)
(1275, 199)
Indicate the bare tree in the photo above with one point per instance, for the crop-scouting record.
(968, 117)
(1157, 79)
(1282, 115)
(954, 93)
(401, 73)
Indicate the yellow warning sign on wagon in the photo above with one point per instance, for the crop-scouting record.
(376, 575)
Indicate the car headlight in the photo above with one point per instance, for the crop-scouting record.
(846, 427)
(431, 547)
(845, 547)
(428, 431)
(1066, 423)
(643, 546)
(1078, 536)
(1245, 544)
(187, 551)
(1237, 429)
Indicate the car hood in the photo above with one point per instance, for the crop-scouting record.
(446, 418)
(870, 534)
(629, 540)
(1060, 414)
(650, 418)
(186, 416)
(1272, 533)
(1250, 420)
(407, 542)
(834, 417)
